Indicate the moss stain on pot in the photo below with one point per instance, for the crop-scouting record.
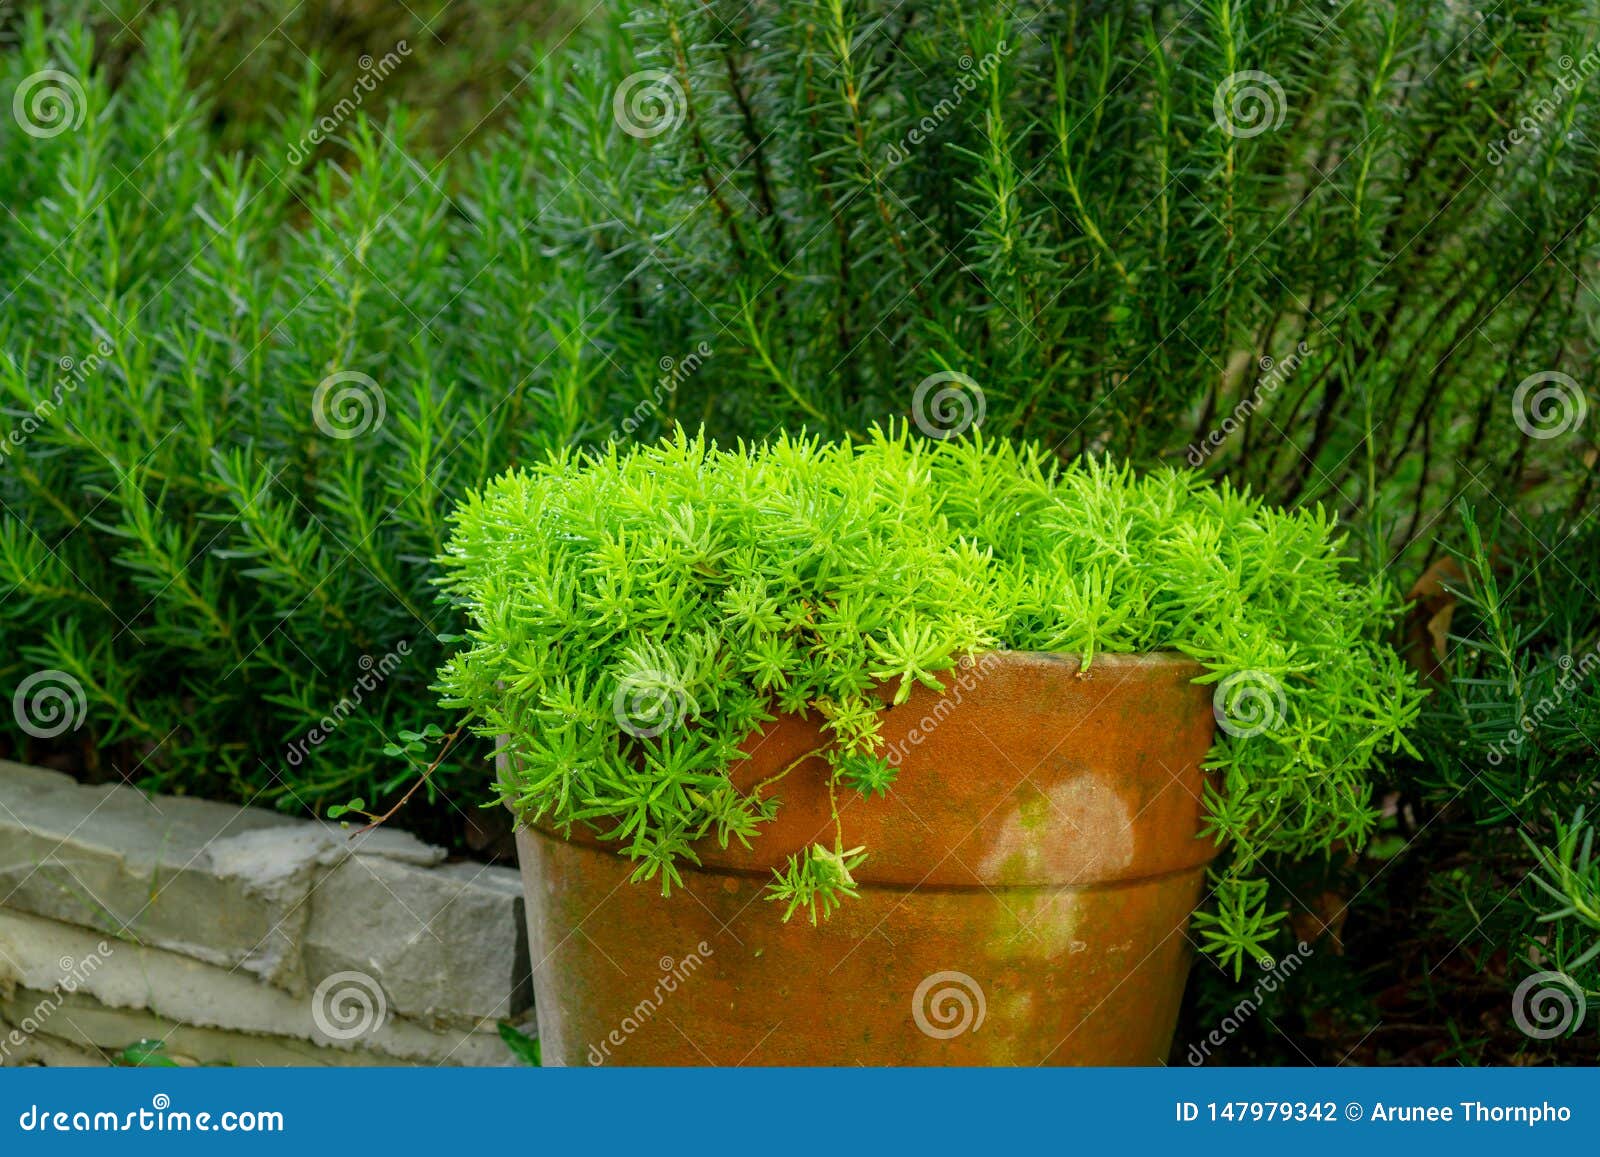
(1085, 809)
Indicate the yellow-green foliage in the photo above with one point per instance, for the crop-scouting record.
(635, 615)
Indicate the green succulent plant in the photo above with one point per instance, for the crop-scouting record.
(636, 613)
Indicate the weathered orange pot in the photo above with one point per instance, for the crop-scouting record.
(1024, 902)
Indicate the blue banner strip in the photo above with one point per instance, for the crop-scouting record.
(815, 1111)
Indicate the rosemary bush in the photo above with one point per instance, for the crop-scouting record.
(239, 399)
(1322, 251)
(1315, 250)
(636, 615)
(1506, 794)
(1292, 243)
(257, 58)
(1467, 929)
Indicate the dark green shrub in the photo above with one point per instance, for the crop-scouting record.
(1293, 243)
(1468, 929)
(1509, 788)
(256, 58)
(238, 402)
(1078, 243)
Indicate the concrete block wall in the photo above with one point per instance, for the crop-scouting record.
(242, 936)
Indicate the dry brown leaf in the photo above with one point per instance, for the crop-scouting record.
(1427, 632)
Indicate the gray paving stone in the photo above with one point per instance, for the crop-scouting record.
(245, 914)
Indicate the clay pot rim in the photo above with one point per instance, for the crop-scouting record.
(1128, 662)
(585, 833)
(1115, 658)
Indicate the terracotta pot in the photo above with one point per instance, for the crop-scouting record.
(1029, 881)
